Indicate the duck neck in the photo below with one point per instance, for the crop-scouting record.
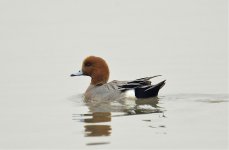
(100, 78)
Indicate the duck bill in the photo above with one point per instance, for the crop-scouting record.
(79, 73)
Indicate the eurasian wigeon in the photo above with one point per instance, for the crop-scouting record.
(101, 89)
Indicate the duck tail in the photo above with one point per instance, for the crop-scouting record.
(148, 91)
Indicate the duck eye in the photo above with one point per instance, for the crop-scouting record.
(88, 64)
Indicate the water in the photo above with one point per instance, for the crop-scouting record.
(43, 42)
(186, 121)
(183, 121)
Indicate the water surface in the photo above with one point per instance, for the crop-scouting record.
(172, 121)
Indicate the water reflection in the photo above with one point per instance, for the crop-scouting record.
(92, 121)
(126, 106)
(95, 129)
(97, 117)
(97, 143)
(100, 121)
(97, 122)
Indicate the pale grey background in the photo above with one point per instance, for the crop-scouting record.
(184, 40)
(43, 41)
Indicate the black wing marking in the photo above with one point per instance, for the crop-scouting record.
(136, 83)
(148, 90)
(143, 79)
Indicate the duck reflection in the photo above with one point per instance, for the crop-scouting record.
(97, 129)
(126, 106)
(97, 122)
(99, 117)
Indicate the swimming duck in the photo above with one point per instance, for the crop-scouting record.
(101, 89)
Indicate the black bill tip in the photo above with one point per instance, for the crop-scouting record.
(72, 75)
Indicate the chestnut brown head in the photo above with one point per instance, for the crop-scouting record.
(96, 68)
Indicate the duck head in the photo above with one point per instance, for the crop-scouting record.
(96, 68)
